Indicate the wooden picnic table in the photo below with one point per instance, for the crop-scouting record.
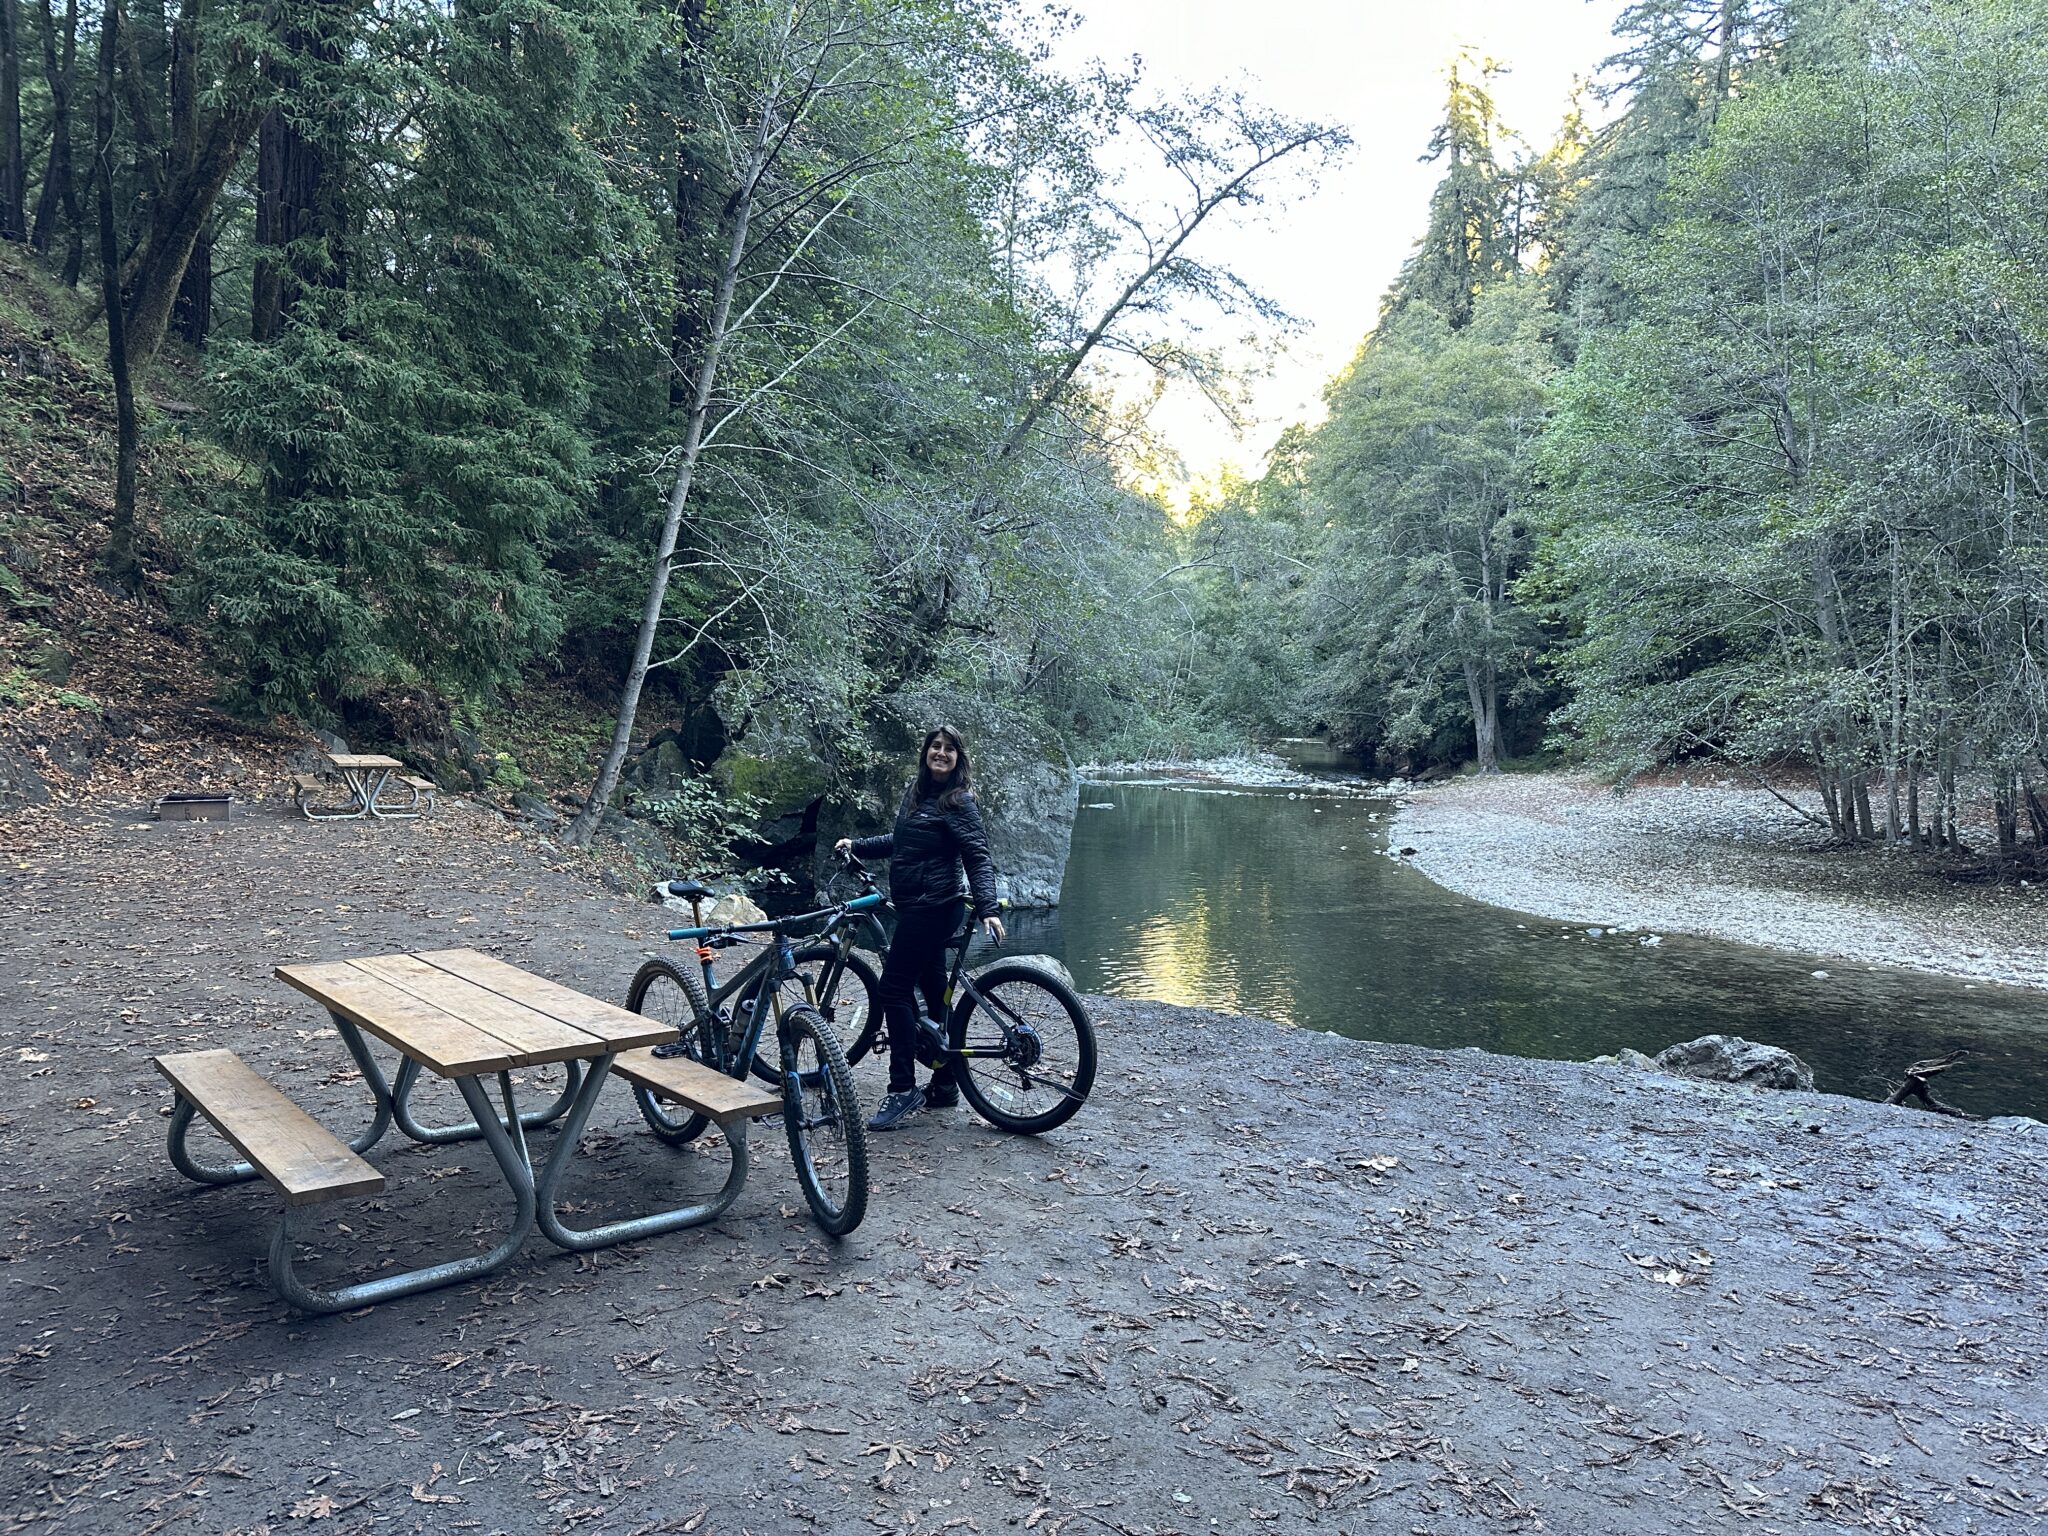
(466, 1017)
(365, 775)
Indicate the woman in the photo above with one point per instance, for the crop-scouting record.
(938, 829)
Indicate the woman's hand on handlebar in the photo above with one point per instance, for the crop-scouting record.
(993, 927)
(844, 847)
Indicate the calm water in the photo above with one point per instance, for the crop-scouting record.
(1249, 902)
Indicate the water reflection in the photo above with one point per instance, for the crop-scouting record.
(1257, 903)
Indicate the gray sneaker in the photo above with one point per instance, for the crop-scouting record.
(896, 1108)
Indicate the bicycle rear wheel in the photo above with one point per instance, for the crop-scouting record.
(821, 1113)
(675, 995)
(1029, 1048)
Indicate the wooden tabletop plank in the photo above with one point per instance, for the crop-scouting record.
(300, 1157)
(618, 1028)
(437, 1039)
(362, 760)
(531, 1036)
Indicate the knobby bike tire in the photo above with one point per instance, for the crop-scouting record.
(994, 1085)
(652, 994)
(828, 1100)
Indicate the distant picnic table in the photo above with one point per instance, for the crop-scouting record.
(466, 1017)
(365, 776)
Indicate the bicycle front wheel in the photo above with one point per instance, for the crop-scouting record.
(1026, 1048)
(827, 1135)
(675, 996)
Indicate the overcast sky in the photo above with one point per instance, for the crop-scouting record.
(1377, 67)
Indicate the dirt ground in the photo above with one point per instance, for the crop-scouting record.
(1266, 1280)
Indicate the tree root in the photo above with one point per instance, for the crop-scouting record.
(1915, 1086)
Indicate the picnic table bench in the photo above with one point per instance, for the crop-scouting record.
(366, 776)
(465, 1017)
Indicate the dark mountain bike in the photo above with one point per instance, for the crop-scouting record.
(722, 1025)
(1020, 1042)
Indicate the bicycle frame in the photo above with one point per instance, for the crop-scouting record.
(758, 984)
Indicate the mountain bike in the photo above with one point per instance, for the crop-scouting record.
(722, 1025)
(1020, 1043)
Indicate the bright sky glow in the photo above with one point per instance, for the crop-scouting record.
(1377, 67)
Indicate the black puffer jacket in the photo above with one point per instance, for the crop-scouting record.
(926, 850)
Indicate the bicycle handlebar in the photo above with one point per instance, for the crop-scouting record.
(782, 924)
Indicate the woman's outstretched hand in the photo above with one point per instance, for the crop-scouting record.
(843, 847)
(993, 926)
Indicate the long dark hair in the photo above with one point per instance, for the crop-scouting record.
(951, 790)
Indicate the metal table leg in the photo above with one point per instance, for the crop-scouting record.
(357, 806)
(436, 1135)
(377, 780)
(579, 1240)
(508, 1148)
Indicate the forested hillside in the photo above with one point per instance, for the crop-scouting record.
(714, 380)
(1713, 434)
(674, 406)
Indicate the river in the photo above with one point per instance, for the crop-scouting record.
(1249, 901)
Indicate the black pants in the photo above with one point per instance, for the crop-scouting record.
(916, 959)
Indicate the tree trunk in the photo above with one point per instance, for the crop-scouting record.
(692, 203)
(193, 312)
(194, 155)
(13, 178)
(123, 563)
(585, 826)
(60, 191)
(1482, 688)
(1830, 800)
(301, 217)
(176, 221)
(2005, 810)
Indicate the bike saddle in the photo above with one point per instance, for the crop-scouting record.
(690, 890)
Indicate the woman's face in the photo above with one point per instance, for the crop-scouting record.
(941, 756)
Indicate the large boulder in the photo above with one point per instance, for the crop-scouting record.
(661, 767)
(787, 786)
(1031, 812)
(1732, 1059)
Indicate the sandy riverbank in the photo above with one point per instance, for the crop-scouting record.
(1724, 861)
(1267, 1280)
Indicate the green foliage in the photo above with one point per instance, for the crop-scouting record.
(705, 819)
(1797, 501)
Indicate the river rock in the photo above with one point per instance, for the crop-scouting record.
(735, 907)
(660, 768)
(1732, 1059)
(536, 810)
(1628, 1056)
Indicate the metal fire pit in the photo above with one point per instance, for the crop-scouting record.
(193, 806)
